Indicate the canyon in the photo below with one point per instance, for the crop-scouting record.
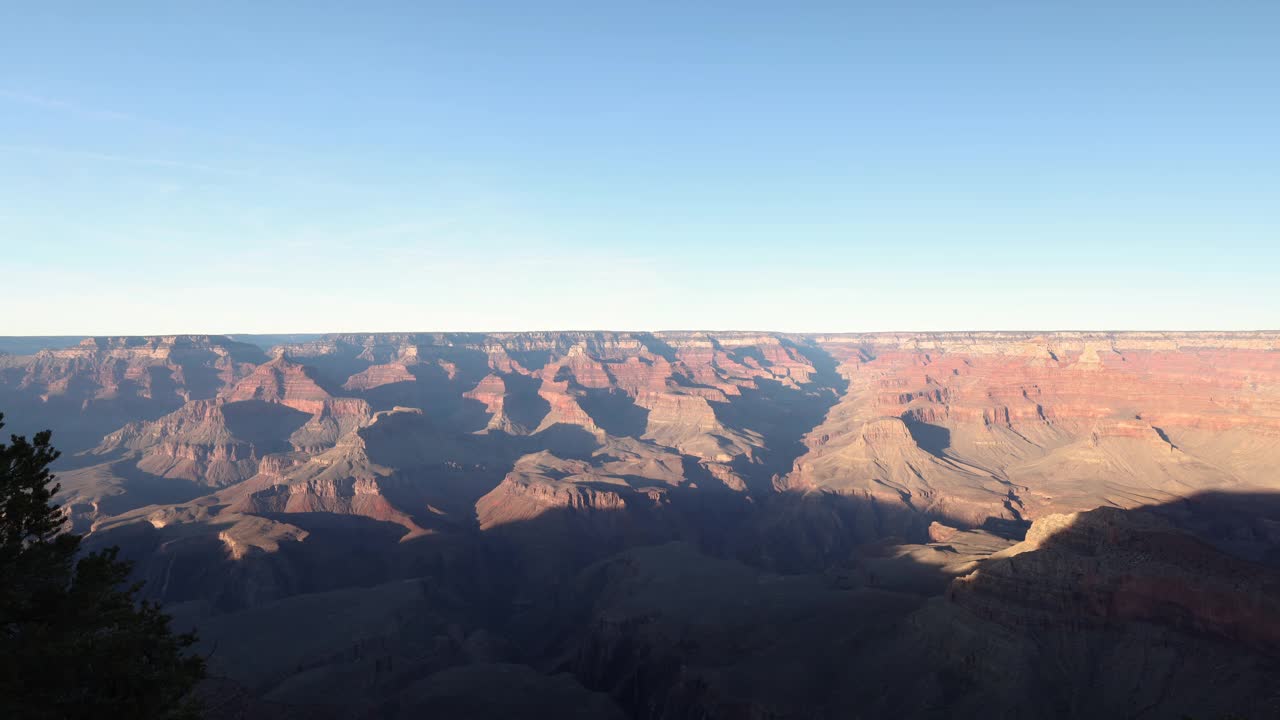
(688, 524)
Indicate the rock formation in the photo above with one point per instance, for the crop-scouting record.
(694, 524)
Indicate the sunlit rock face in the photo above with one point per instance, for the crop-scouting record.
(1021, 425)
(755, 478)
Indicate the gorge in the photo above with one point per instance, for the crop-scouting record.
(689, 524)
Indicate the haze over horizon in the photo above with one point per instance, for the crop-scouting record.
(243, 169)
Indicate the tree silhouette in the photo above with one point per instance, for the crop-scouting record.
(75, 642)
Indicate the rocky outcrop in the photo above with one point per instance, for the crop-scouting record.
(1108, 566)
(284, 382)
(565, 408)
(379, 375)
(885, 462)
(193, 443)
(340, 481)
(543, 484)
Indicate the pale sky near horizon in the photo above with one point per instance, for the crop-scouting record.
(248, 167)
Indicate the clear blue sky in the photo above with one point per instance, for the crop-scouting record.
(310, 167)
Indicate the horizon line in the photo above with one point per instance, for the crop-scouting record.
(972, 331)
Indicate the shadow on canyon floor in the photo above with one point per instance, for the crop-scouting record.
(141, 488)
(1177, 600)
(265, 425)
(933, 439)
(783, 415)
(720, 607)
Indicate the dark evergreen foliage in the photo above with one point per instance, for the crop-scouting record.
(75, 641)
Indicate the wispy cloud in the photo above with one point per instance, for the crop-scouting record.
(305, 182)
(46, 151)
(245, 158)
(50, 103)
(232, 146)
